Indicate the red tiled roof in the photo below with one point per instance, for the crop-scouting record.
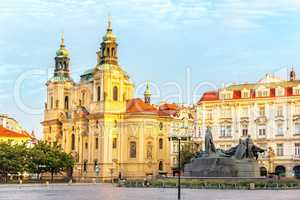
(4, 132)
(168, 106)
(167, 109)
(138, 105)
(209, 96)
(214, 95)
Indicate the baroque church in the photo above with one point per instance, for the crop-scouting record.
(108, 131)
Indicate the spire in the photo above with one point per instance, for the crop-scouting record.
(62, 40)
(109, 25)
(147, 93)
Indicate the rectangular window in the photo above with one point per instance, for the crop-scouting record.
(279, 129)
(222, 131)
(262, 131)
(209, 114)
(297, 128)
(279, 91)
(296, 91)
(279, 111)
(280, 150)
(245, 132)
(297, 149)
(297, 109)
(244, 112)
(262, 111)
(245, 94)
(225, 131)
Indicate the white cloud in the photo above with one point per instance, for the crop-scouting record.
(233, 13)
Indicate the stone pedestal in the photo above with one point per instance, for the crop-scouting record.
(221, 167)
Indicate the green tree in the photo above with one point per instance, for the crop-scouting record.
(188, 151)
(13, 159)
(51, 159)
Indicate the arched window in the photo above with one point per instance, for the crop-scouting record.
(98, 93)
(161, 166)
(66, 102)
(73, 142)
(113, 52)
(132, 152)
(115, 93)
(161, 143)
(108, 53)
(280, 170)
(296, 170)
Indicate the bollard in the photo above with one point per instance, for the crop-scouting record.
(70, 182)
(94, 180)
(252, 186)
(47, 183)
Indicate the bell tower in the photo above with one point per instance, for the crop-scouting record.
(147, 94)
(108, 49)
(62, 61)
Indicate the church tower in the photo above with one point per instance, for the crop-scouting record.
(147, 94)
(59, 94)
(62, 61)
(108, 49)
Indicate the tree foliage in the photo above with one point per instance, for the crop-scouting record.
(188, 151)
(18, 158)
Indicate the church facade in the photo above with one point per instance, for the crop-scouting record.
(108, 131)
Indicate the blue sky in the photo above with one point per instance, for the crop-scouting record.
(217, 42)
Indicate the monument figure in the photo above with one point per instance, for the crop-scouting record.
(209, 142)
(238, 161)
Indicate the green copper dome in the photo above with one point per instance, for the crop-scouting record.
(62, 51)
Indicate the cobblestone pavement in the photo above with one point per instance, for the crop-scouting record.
(108, 192)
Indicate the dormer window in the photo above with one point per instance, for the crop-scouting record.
(245, 93)
(262, 92)
(226, 95)
(296, 90)
(279, 91)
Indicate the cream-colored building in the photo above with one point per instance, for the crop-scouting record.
(12, 131)
(182, 125)
(268, 110)
(100, 122)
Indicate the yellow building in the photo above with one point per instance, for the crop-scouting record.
(11, 131)
(99, 121)
(268, 110)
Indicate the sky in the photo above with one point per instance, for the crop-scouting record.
(183, 47)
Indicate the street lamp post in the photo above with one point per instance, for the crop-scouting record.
(179, 136)
(179, 169)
